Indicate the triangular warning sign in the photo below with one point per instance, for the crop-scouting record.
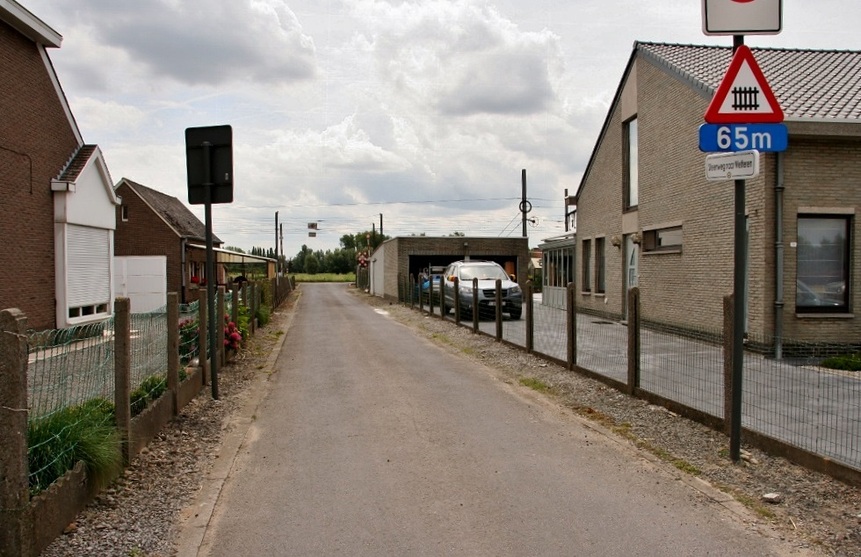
(744, 96)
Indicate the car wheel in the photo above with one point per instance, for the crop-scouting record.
(516, 313)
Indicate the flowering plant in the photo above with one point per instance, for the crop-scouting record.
(189, 333)
(195, 280)
(232, 336)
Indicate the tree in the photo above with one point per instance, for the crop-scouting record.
(312, 265)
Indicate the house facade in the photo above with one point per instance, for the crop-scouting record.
(57, 215)
(648, 217)
(151, 223)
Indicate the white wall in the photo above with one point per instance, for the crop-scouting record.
(142, 279)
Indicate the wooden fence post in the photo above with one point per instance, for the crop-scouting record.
(475, 306)
(571, 306)
(498, 308)
(222, 353)
(173, 348)
(633, 340)
(15, 525)
(203, 338)
(253, 307)
(234, 308)
(530, 319)
(122, 373)
(457, 301)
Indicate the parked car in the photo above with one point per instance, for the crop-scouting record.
(487, 273)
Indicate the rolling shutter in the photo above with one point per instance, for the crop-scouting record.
(89, 259)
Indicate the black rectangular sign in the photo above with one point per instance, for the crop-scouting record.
(209, 161)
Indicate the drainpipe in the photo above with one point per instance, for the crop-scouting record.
(778, 259)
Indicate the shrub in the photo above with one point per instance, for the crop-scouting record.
(189, 334)
(243, 321)
(847, 362)
(262, 315)
(137, 398)
(78, 433)
(154, 386)
(151, 388)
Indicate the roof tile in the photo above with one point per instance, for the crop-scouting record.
(809, 84)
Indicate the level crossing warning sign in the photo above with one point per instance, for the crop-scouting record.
(744, 95)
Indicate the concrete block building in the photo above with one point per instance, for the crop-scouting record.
(397, 259)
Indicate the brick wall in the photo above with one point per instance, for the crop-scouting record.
(36, 141)
(145, 233)
(687, 288)
(822, 173)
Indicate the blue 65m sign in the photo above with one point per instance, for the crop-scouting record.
(765, 138)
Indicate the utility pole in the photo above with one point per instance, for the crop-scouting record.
(381, 224)
(525, 205)
(282, 246)
(276, 245)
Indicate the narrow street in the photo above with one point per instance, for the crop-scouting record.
(372, 441)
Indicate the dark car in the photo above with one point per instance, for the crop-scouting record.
(487, 273)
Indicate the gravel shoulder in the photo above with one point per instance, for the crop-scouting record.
(141, 514)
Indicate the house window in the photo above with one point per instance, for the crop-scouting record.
(599, 265)
(822, 272)
(587, 266)
(663, 239)
(632, 161)
(124, 210)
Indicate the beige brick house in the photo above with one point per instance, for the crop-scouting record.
(57, 215)
(647, 216)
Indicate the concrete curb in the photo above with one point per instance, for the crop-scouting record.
(196, 517)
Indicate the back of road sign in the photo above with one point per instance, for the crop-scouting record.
(744, 96)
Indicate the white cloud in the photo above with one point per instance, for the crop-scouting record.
(343, 110)
(225, 41)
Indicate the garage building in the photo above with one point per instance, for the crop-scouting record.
(396, 260)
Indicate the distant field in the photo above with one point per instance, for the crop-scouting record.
(324, 277)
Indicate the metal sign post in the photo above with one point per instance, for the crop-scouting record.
(209, 164)
(745, 82)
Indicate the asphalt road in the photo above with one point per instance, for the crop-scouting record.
(373, 441)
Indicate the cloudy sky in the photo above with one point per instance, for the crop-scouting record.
(423, 111)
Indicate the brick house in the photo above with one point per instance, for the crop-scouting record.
(646, 215)
(151, 223)
(57, 215)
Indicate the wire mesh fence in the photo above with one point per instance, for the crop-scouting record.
(67, 367)
(602, 344)
(550, 337)
(796, 400)
(790, 399)
(687, 369)
(148, 346)
(189, 332)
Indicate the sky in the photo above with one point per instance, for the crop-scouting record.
(344, 112)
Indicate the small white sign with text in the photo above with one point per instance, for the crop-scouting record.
(739, 165)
